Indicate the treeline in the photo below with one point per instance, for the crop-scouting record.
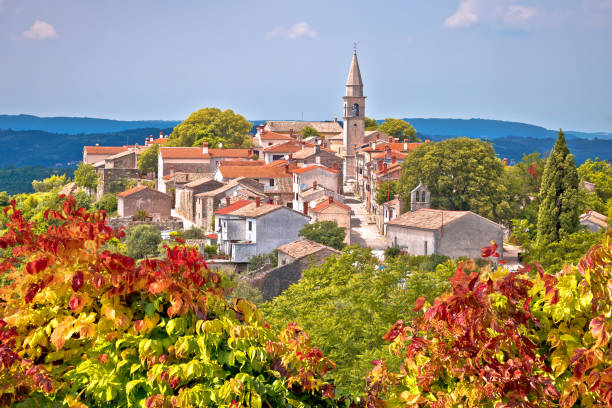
(16, 180)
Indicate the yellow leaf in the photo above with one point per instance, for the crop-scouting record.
(62, 332)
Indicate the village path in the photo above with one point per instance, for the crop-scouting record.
(363, 233)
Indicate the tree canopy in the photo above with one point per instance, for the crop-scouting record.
(399, 128)
(386, 190)
(370, 124)
(85, 176)
(54, 182)
(559, 204)
(213, 126)
(461, 174)
(309, 131)
(142, 241)
(598, 172)
(147, 162)
(326, 233)
(347, 304)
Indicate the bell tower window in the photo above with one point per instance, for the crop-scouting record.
(355, 110)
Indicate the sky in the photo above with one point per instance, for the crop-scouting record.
(544, 62)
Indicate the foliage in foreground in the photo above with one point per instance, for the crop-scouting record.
(84, 327)
(326, 233)
(347, 304)
(506, 339)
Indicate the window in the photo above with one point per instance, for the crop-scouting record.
(271, 182)
(425, 247)
(251, 227)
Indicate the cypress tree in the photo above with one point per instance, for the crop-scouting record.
(558, 212)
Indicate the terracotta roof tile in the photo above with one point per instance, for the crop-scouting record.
(233, 207)
(197, 153)
(328, 202)
(303, 247)
(306, 169)
(287, 147)
(269, 135)
(231, 172)
(105, 149)
(297, 126)
(134, 190)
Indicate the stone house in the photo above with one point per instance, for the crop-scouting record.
(266, 138)
(248, 228)
(284, 150)
(329, 209)
(185, 201)
(293, 258)
(196, 159)
(384, 173)
(236, 190)
(593, 221)
(276, 179)
(95, 154)
(388, 211)
(451, 233)
(155, 203)
(315, 176)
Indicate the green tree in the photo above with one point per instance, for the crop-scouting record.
(386, 190)
(5, 199)
(51, 183)
(461, 174)
(371, 124)
(85, 176)
(108, 203)
(326, 233)
(522, 182)
(257, 261)
(142, 241)
(399, 128)
(214, 126)
(147, 162)
(83, 200)
(598, 172)
(347, 305)
(310, 132)
(559, 206)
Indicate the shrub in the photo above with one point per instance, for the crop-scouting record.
(391, 252)
(210, 250)
(84, 327)
(141, 215)
(142, 241)
(108, 203)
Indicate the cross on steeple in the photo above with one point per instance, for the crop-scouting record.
(355, 47)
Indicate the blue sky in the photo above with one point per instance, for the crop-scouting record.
(546, 62)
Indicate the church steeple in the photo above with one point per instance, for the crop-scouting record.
(354, 85)
(354, 118)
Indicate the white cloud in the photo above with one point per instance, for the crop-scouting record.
(465, 15)
(40, 30)
(517, 14)
(301, 29)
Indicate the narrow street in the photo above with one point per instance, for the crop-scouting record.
(363, 233)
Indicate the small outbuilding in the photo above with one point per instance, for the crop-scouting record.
(452, 233)
(157, 204)
(593, 220)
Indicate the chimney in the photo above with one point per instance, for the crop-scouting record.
(186, 176)
(335, 166)
(250, 153)
(317, 149)
(331, 199)
(291, 132)
(205, 148)
(405, 146)
(257, 201)
(305, 208)
(314, 185)
(260, 129)
(227, 200)
(286, 166)
(318, 159)
(335, 119)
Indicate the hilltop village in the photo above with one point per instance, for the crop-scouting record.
(252, 201)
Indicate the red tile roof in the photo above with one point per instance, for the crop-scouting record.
(243, 162)
(392, 153)
(132, 190)
(211, 236)
(233, 207)
(329, 202)
(288, 147)
(269, 135)
(105, 149)
(256, 172)
(197, 153)
(301, 170)
(427, 218)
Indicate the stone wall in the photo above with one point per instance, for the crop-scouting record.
(163, 225)
(107, 176)
(155, 203)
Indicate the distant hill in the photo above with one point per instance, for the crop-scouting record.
(492, 129)
(39, 148)
(75, 126)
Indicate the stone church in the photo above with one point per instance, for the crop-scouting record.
(354, 118)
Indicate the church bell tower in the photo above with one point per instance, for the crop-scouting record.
(354, 117)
